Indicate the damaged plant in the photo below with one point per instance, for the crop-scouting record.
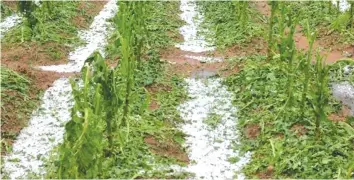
(99, 127)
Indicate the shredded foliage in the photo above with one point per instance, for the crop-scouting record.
(15, 89)
(230, 22)
(51, 24)
(323, 14)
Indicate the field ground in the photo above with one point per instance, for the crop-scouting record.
(212, 97)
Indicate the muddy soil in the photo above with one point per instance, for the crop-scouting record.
(180, 64)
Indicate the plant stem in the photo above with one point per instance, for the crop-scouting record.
(270, 30)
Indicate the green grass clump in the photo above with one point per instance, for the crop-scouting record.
(230, 23)
(261, 91)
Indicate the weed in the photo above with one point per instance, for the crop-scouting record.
(274, 7)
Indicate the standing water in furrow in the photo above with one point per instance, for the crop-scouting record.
(46, 126)
(210, 118)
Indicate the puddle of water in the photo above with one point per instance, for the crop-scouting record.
(206, 59)
(200, 74)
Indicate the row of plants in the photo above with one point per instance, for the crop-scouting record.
(230, 22)
(162, 25)
(284, 102)
(327, 16)
(110, 118)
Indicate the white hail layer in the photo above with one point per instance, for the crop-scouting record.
(8, 23)
(210, 148)
(192, 42)
(46, 126)
(343, 4)
(95, 38)
(45, 131)
(344, 92)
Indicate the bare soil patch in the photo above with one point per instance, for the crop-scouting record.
(11, 5)
(252, 131)
(15, 114)
(263, 7)
(153, 90)
(267, 174)
(341, 116)
(299, 129)
(92, 8)
(166, 148)
(40, 79)
(32, 53)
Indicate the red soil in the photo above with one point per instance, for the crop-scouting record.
(167, 148)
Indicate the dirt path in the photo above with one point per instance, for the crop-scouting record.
(331, 51)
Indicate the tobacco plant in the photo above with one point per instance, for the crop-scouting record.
(102, 106)
(27, 8)
(311, 36)
(130, 22)
(241, 9)
(320, 92)
(274, 7)
(81, 154)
